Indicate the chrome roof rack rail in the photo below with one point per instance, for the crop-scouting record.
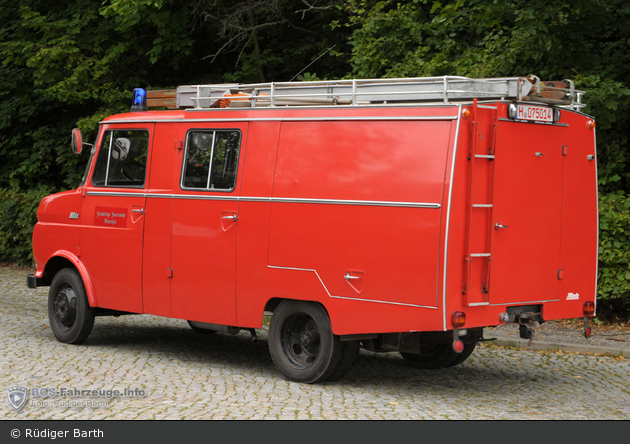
(361, 92)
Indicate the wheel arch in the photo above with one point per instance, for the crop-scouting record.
(63, 259)
(272, 304)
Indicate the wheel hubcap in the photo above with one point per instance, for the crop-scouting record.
(300, 341)
(65, 307)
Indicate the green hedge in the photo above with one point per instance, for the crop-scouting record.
(18, 215)
(614, 256)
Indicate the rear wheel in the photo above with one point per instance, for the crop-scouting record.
(431, 357)
(70, 315)
(349, 354)
(302, 344)
(439, 356)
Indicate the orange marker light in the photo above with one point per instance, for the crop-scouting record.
(458, 319)
(591, 124)
(589, 308)
(466, 113)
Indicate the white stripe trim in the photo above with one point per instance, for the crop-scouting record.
(448, 216)
(523, 302)
(345, 297)
(372, 203)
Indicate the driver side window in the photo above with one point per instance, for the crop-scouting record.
(122, 159)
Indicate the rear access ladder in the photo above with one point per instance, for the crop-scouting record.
(479, 205)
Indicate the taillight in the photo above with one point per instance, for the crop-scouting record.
(458, 346)
(587, 332)
(458, 319)
(589, 308)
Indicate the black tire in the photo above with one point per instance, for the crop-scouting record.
(432, 357)
(302, 344)
(349, 354)
(70, 315)
(465, 354)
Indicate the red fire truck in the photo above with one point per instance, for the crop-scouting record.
(395, 215)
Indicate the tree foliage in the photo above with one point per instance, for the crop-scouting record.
(74, 62)
(71, 63)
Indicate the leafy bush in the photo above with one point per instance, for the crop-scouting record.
(18, 215)
(614, 256)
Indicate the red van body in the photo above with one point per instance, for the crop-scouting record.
(398, 222)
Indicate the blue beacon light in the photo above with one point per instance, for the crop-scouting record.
(139, 102)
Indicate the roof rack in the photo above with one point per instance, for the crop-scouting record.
(404, 91)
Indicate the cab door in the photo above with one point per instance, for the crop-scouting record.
(205, 224)
(112, 217)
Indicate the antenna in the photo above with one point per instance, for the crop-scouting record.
(306, 67)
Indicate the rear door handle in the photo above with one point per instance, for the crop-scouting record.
(498, 225)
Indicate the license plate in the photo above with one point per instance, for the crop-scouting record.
(534, 113)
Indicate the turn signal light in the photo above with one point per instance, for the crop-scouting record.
(589, 308)
(590, 124)
(466, 113)
(458, 319)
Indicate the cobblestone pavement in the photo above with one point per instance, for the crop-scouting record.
(186, 375)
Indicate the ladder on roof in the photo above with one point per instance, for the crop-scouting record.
(404, 91)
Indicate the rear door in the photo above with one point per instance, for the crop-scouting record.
(527, 213)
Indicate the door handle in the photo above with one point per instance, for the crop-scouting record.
(138, 210)
(231, 216)
(498, 225)
(349, 276)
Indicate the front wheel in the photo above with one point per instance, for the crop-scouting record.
(70, 315)
(302, 344)
(198, 329)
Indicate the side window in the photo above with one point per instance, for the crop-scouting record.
(211, 160)
(122, 159)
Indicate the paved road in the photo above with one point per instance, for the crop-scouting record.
(186, 375)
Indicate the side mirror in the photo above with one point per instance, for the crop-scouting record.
(77, 141)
